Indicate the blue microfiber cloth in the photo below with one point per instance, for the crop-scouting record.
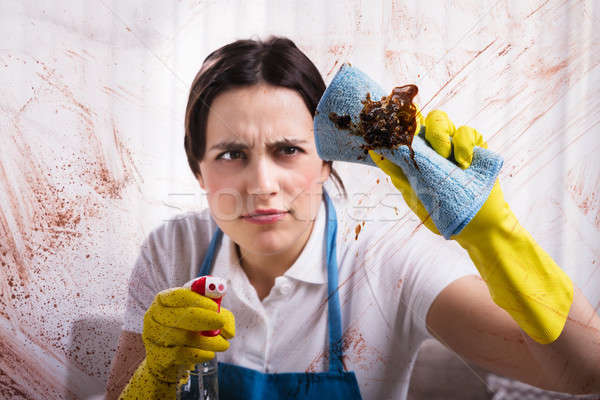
(451, 195)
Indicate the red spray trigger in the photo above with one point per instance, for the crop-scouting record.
(212, 287)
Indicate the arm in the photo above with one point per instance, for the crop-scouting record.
(129, 355)
(465, 318)
(529, 288)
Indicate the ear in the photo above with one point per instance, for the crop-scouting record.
(200, 180)
(325, 171)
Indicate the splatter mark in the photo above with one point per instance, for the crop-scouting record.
(123, 94)
(357, 231)
(391, 56)
(537, 9)
(50, 199)
(546, 72)
(332, 68)
(504, 51)
(9, 389)
(465, 65)
(402, 21)
(74, 55)
(339, 49)
(582, 189)
(356, 352)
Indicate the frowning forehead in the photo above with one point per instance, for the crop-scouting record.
(259, 114)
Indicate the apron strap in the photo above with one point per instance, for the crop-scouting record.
(334, 320)
(210, 253)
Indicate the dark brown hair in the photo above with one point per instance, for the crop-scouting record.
(245, 62)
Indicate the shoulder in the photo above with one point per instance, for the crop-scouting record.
(187, 223)
(186, 228)
(174, 248)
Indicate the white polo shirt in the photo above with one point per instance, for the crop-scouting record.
(389, 274)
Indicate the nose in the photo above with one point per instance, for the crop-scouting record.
(262, 178)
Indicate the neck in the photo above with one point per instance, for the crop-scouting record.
(262, 269)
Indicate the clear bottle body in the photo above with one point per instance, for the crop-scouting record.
(203, 383)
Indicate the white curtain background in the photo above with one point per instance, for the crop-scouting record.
(92, 103)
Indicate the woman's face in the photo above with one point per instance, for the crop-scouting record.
(261, 158)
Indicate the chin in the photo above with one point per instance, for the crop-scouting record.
(269, 242)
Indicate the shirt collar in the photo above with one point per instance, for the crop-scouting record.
(310, 266)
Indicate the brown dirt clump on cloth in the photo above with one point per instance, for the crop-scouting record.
(386, 123)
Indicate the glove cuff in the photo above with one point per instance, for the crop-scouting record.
(522, 278)
(145, 385)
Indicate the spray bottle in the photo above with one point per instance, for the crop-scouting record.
(203, 383)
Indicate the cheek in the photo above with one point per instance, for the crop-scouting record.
(304, 178)
(306, 190)
(226, 204)
(223, 193)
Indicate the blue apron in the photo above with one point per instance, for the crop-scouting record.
(237, 382)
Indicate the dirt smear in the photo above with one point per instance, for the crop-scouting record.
(356, 351)
(52, 198)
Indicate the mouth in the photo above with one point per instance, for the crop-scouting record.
(265, 216)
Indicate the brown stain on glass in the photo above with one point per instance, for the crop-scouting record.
(356, 231)
(50, 203)
(582, 191)
(356, 351)
(386, 123)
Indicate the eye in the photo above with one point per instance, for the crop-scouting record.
(231, 155)
(290, 150)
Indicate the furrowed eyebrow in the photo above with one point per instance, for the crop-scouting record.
(287, 142)
(229, 145)
(236, 145)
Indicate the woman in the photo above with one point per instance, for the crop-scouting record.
(281, 241)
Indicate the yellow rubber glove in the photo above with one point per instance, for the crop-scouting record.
(521, 277)
(174, 344)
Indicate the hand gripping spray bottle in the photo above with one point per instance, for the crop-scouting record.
(203, 383)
